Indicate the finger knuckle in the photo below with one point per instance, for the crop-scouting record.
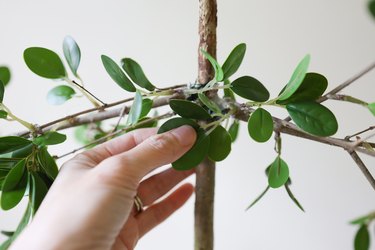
(164, 143)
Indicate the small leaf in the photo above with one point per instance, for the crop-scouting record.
(47, 163)
(12, 143)
(38, 191)
(146, 107)
(220, 144)
(313, 118)
(135, 72)
(117, 74)
(258, 198)
(362, 220)
(278, 174)
(234, 60)
(292, 197)
(219, 74)
(135, 110)
(362, 239)
(209, 103)
(250, 88)
(72, 53)
(5, 75)
(3, 114)
(7, 233)
(50, 138)
(296, 79)
(233, 130)
(371, 107)
(14, 186)
(175, 123)
(60, 94)
(188, 109)
(260, 125)
(371, 7)
(44, 62)
(2, 90)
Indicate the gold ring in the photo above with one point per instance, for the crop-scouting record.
(138, 204)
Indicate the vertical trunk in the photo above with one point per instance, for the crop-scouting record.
(205, 182)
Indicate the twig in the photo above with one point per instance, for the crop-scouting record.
(360, 132)
(360, 141)
(347, 98)
(88, 92)
(363, 168)
(122, 113)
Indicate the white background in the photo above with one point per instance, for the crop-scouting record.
(162, 36)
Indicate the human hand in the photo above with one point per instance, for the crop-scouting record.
(91, 203)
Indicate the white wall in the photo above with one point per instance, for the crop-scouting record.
(162, 36)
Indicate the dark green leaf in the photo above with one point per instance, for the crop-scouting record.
(38, 191)
(117, 74)
(3, 114)
(175, 123)
(209, 103)
(228, 93)
(220, 144)
(189, 109)
(60, 94)
(313, 118)
(50, 138)
(72, 53)
(47, 163)
(362, 239)
(260, 125)
(371, 107)
(234, 60)
(135, 72)
(371, 7)
(296, 79)
(362, 220)
(1, 91)
(14, 186)
(250, 88)
(291, 196)
(146, 107)
(311, 88)
(258, 198)
(219, 74)
(12, 143)
(278, 174)
(23, 152)
(7, 233)
(44, 62)
(135, 110)
(233, 130)
(5, 75)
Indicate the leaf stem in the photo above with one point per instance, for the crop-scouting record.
(91, 97)
(26, 124)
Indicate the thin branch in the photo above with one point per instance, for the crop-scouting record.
(122, 113)
(361, 140)
(346, 98)
(360, 132)
(363, 168)
(88, 92)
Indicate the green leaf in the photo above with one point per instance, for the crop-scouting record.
(12, 143)
(292, 197)
(23, 152)
(135, 72)
(175, 123)
(362, 239)
(60, 94)
(311, 88)
(38, 191)
(14, 186)
(220, 144)
(146, 107)
(47, 163)
(5, 75)
(296, 79)
(362, 220)
(6, 244)
(188, 109)
(50, 138)
(219, 74)
(313, 118)
(371, 107)
(209, 103)
(250, 88)
(117, 74)
(278, 174)
(135, 110)
(7, 233)
(260, 125)
(2, 90)
(150, 124)
(44, 62)
(371, 7)
(3, 114)
(234, 60)
(233, 130)
(258, 198)
(228, 93)
(72, 54)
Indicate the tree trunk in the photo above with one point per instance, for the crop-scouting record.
(205, 172)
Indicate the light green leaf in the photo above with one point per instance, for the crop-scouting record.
(50, 138)
(5, 75)
(188, 109)
(72, 53)
(292, 197)
(278, 174)
(44, 62)
(209, 103)
(220, 144)
(219, 74)
(233, 130)
(38, 191)
(234, 60)
(60, 94)
(135, 72)
(313, 118)
(258, 198)
(260, 125)
(250, 88)
(296, 79)
(12, 143)
(371, 107)
(146, 107)
(362, 220)
(135, 110)
(362, 239)
(117, 74)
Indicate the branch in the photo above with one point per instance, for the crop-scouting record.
(363, 168)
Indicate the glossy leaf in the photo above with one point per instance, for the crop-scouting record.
(233, 130)
(135, 110)
(234, 60)
(117, 75)
(50, 138)
(60, 94)
(23, 152)
(258, 198)
(250, 88)
(175, 123)
(313, 118)
(47, 163)
(362, 239)
(296, 79)
(311, 88)
(188, 109)
(5, 75)
(38, 191)
(219, 74)
(209, 103)
(3, 114)
(260, 125)
(146, 107)
(292, 197)
(12, 143)
(371, 7)
(278, 173)
(135, 72)
(72, 54)
(220, 144)
(371, 107)
(2, 90)
(44, 62)
(14, 186)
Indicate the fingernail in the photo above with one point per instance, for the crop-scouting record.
(185, 134)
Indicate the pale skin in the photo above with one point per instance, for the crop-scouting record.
(91, 203)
